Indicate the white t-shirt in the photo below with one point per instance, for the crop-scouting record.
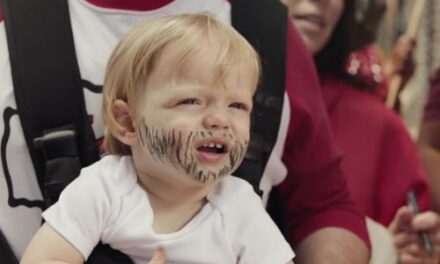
(96, 31)
(106, 203)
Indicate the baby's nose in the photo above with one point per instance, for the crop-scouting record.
(216, 120)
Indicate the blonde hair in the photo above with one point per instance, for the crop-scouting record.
(134, 59)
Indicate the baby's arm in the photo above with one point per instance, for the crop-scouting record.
(159, 256)
(47, 246)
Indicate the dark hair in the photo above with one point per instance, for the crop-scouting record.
(332, 59)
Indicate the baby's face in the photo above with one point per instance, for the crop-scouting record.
(193, 129)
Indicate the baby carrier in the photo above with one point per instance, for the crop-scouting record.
(49, 94)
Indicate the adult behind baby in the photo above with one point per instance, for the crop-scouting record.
(381, 162)
(177, 102)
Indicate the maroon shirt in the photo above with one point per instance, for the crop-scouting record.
(381, 161)
(315, 189)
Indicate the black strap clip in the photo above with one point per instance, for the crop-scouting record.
(62, 163)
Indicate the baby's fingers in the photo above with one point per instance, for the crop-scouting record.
(159, 256)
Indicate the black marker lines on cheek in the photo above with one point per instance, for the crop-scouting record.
(237, 153)
(175, 148)
(188, 158)
(162, 145)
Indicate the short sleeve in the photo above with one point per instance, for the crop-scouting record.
(79, 214)
(255, 237)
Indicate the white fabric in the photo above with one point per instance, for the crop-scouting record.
(383, 250)
(275, 171)
(96, 31)
(106, 203)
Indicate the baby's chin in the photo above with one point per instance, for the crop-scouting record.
(209, 177)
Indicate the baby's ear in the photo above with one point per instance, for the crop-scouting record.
(124, 128)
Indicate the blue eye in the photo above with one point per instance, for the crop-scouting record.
(189, 101)
(239, 106)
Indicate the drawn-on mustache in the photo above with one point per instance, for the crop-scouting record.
(173, 147)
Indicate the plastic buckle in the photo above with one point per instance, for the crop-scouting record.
(58, 143)
(62, 163)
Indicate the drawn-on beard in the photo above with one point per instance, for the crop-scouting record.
(171, 146)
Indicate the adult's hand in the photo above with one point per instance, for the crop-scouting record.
(405, 229)
(401, 60)
(398, 68)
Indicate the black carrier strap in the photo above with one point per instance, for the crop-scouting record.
(264, 24)
(6, 254)
(50, 98)
(47, 90)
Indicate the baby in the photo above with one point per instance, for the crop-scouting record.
(177, 102)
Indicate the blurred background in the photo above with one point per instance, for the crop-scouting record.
(393, 18)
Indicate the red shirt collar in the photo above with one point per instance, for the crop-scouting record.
(136, 5)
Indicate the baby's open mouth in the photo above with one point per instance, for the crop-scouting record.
(217, 148)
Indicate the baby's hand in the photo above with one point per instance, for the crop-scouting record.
(159, 256)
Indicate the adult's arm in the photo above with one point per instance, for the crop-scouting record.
(332, 245)
(429, 140)
(324, 224)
